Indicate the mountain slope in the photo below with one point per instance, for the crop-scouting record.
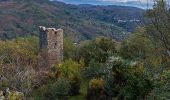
(22, 17)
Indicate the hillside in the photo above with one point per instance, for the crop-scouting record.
(90, 67)
(22, 17)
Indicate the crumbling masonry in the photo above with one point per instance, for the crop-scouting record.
(51, 46)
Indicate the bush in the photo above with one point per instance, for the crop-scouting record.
(96, 84)
(138, 46)
(18, 77)
(125, 80)
(11, 95)
(72, 71)
(161, 90)
(75, 83)
(99, 50)
(14, 95)
(94, 70)
(70, 49)
(58, 90)
(96, 90)
(23, 51)
(18, 64)
(70, 68)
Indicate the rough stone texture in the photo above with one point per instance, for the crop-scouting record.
(51, 46)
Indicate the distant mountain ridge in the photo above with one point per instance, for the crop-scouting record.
(131, 3)
(80, 22)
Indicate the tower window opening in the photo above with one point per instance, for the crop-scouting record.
(55, 33)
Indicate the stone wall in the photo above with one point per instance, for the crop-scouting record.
(51, 46)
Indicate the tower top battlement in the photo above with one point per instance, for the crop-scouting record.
(42, 28)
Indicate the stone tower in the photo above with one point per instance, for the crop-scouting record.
(51, 46)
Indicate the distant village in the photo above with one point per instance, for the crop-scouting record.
(131, 20)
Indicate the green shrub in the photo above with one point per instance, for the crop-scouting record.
(98, 49)
(70, 49)
(94, 70)
(75, 83)
(72, 71)
(125, 80)
(70, 68)
(161, 90)
(58, 90)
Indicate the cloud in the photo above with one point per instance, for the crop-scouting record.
(141, 1)
(113, 0)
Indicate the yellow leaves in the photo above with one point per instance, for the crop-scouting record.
(156, 61)
(140, 68)
(137, 67)
(11, 95)
(96, 84)
(14, 95)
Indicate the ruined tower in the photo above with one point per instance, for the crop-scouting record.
(51, 46)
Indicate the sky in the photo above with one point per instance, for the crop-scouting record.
(136, 3)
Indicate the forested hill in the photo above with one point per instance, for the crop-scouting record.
(22, 18)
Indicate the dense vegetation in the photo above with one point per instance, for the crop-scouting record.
(138, 68)
(22, 18)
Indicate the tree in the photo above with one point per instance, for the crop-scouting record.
(98, 49)
(70, 49)
(18, 64)
(138, 46)
(158, 26)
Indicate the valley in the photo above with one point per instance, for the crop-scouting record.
(80, 22)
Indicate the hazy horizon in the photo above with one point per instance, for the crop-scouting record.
(135, 3)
